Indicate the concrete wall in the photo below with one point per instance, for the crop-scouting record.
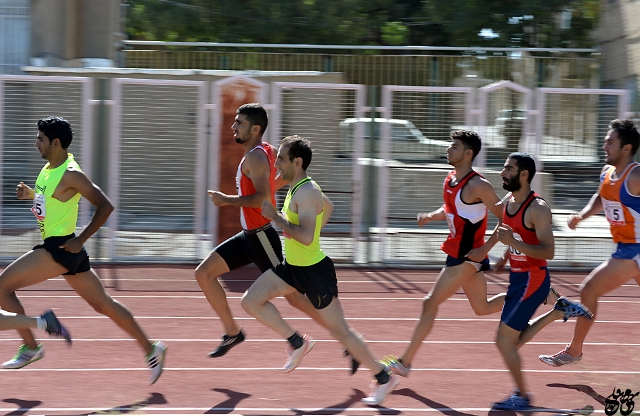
(619, 39)
(69, 32)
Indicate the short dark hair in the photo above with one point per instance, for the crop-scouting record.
(56, 128)
(255, 114)
(298, 147)
(627, 133)
(525, 162)
(470, 140)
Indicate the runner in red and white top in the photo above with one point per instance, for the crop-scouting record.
(527, 231)
(467, 195)
(251, 217)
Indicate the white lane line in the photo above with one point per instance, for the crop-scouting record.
(23, 296)
(251, 410)
(199, 318)
(594, 344)
(298, 369)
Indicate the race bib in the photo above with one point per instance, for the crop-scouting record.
(614, 212)
(450, 223)
(515, 254)
(39, 207)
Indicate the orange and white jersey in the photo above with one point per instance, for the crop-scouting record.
(621, 208)
(251, 218)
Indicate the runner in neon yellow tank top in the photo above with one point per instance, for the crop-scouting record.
(299, 254)
(58, 189)
(55, 218)
(307, 270)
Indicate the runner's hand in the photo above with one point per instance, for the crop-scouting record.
(24, 191)
(268, 210)
(72, 245)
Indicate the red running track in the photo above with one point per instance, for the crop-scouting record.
(458, 370)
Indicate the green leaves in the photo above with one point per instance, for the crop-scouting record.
(532, 23)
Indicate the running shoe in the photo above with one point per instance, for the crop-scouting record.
(295, 355)
(514, 402)
(24, 356)
(572, 308)
(561, 358)
(354, 363)
(396, 366)
(54, 327)
(226, 344)
(155, 360)
(379, 392)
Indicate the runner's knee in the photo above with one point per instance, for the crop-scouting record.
(248, 303)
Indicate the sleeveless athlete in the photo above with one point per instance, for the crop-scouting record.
(296, 253)
(467, 222)
(55, 218)
(621, 208)
(520, 262)
(251, 218)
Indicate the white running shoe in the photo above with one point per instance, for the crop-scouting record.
(379, 392)
(560, 358)
(24, 356)
(295, 356)
(396, 366)
(155, 360)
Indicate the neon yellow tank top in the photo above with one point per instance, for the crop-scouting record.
(55, 218)
(296, 253)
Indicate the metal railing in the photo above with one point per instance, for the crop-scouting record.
(380, 65)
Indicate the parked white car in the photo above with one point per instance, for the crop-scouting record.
(408, 144)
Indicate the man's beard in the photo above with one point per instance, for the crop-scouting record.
(512, 185)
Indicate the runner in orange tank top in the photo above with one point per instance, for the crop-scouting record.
(619, 197)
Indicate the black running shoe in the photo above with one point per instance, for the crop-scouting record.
(354, 364)
(226, 344)
(54, 327)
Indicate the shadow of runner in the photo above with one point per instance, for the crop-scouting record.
(24, 406)
(155, 398)
(582, 388)
(228, 405)
(432, 404)
(339, 408)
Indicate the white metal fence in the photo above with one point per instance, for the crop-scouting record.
(15, 35)
(155, 147)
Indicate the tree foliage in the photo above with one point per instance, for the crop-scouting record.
(530, 23)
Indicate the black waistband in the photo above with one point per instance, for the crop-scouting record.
(257, 230)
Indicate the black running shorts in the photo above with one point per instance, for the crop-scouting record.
(318, 281)
(262, 247)
(73, 262)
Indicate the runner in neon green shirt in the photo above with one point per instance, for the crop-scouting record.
(307, 269)
(58, 189)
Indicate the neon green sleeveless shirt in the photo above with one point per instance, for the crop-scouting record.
(55, 218)
(296, 253)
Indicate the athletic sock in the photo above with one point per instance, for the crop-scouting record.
(42, 323)
(296, 341)
(382, 377)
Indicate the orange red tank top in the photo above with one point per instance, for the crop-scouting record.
(621, 208)
(519, 261)
(251, 218)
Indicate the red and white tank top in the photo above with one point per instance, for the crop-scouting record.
(519, 261)
(251, 218)
(467, 222)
